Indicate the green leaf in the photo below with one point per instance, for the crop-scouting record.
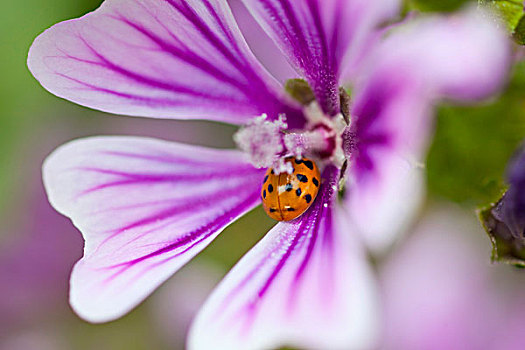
(519, 32)
(472, 146)
(509, 12)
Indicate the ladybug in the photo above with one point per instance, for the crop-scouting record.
(287, 196)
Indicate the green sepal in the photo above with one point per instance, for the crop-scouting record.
(505, 248)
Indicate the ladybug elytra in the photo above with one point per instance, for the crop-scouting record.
(287, 196)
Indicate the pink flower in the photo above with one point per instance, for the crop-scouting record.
(146, 207)
(441, 292)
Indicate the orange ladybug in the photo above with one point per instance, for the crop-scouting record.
(287, 196)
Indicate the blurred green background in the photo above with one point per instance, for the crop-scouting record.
(465, 165)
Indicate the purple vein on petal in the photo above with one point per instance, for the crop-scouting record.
(302, 35)
(368, 114)
(326, 76)
(326, 243)
(169, 86)
(183, 8)
(179, 209)
(138, 58)
(185, 55)
(141, 178)
(305, 230)
(138, 78)
(169, 158)
(152, 83)
(171, 213)
(189, 240)
(255, 87)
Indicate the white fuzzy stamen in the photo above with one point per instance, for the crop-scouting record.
(301, 143)
(268, 143)
(261, 140)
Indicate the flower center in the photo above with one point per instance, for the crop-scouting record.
(268, 143)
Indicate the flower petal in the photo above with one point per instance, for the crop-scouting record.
(306, 284)
(385, 182)
(167, 59)
(262, 46)
(317, 36)
(461, 58)
(145, 207)
(427, 287)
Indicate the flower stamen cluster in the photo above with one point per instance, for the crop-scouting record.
(268, 143)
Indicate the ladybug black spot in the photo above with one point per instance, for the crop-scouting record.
(298, 192)
(264, 194)
(273, 210)
(290, 209)
(302, 178)
(316, 182)
(265, 179)
(288, 187)
(298, 161)
(270, 188)
(308, 198)
(309, 164)
(272, 172)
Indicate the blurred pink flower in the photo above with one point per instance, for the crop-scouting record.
(35, 260)
(37, 252)
(441, 292)
(146, 207)
(179, 300)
